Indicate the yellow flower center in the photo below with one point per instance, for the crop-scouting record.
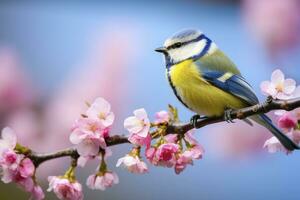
(279, 87)
(102, 115)
(93, 127)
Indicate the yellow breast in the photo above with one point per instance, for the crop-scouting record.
(199, 95)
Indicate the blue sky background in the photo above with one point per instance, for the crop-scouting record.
(51, 39)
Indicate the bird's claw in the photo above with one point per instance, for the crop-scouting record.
(195, 119)
(227, 116)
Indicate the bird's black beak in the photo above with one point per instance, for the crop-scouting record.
(161, 50)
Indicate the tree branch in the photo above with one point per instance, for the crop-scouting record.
(182, 128)
(39, 158)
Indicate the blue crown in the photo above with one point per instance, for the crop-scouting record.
(186, 33)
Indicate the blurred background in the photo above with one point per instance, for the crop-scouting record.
(54, 56)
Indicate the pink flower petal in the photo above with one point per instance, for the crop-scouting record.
(116, 178)
(268, 88)
(87, 148)
(101, 105)
(189, 137)
(105, 181)
(133, 164)
(7, 175)
(133, 124)
(77, 136)
(171, 138)
(162, 116)
(26, 183)
(10, 137)
(150, 153)
(26, 168)
(296, 93)
(37, 193)
(141, 114)
(90, 181)
(289, 86)
(64, 189)
(140, 141)
(283, 96)
(108, 120)
(166, 154)
(277, 77)
(280, 112)
(273, 145)
(99, 183)
(288, 121)
(144, 132)
(197, 151)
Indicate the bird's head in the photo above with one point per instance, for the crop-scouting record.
(184, 45)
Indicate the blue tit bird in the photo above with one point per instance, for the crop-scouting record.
(207, 82)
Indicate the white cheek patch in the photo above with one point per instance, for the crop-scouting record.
(187, 51)
(213, 47)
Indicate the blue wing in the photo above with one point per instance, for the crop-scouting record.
(233, 83)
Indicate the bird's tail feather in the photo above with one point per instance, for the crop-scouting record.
(265, 121)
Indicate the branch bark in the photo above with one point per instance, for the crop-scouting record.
(182, 128)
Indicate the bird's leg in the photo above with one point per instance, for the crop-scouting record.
(227, 115)
(195, 119)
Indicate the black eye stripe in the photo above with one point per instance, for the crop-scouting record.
(180, 44)
(175, 45)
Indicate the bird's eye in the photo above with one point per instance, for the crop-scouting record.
(177, 45)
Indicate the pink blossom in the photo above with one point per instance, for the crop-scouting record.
(273, 145)
(8, 175)
(189, 137)
(162, 117)
(102, 181)
(187, 157)
(133, 164)
(165, 154)
(10, 160)
(22, 175)
(170, 154)
(37, 193)
(90, 146)
(150, 154)
(100, 110)
(26, 168)
(287, 120)
(64, 189)
(182, 162)
(138, 140)
(88, 136)
(197, 151)
(26, 183)
(138, 127)
(16, 168)
(171, 138)
(278, 87)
